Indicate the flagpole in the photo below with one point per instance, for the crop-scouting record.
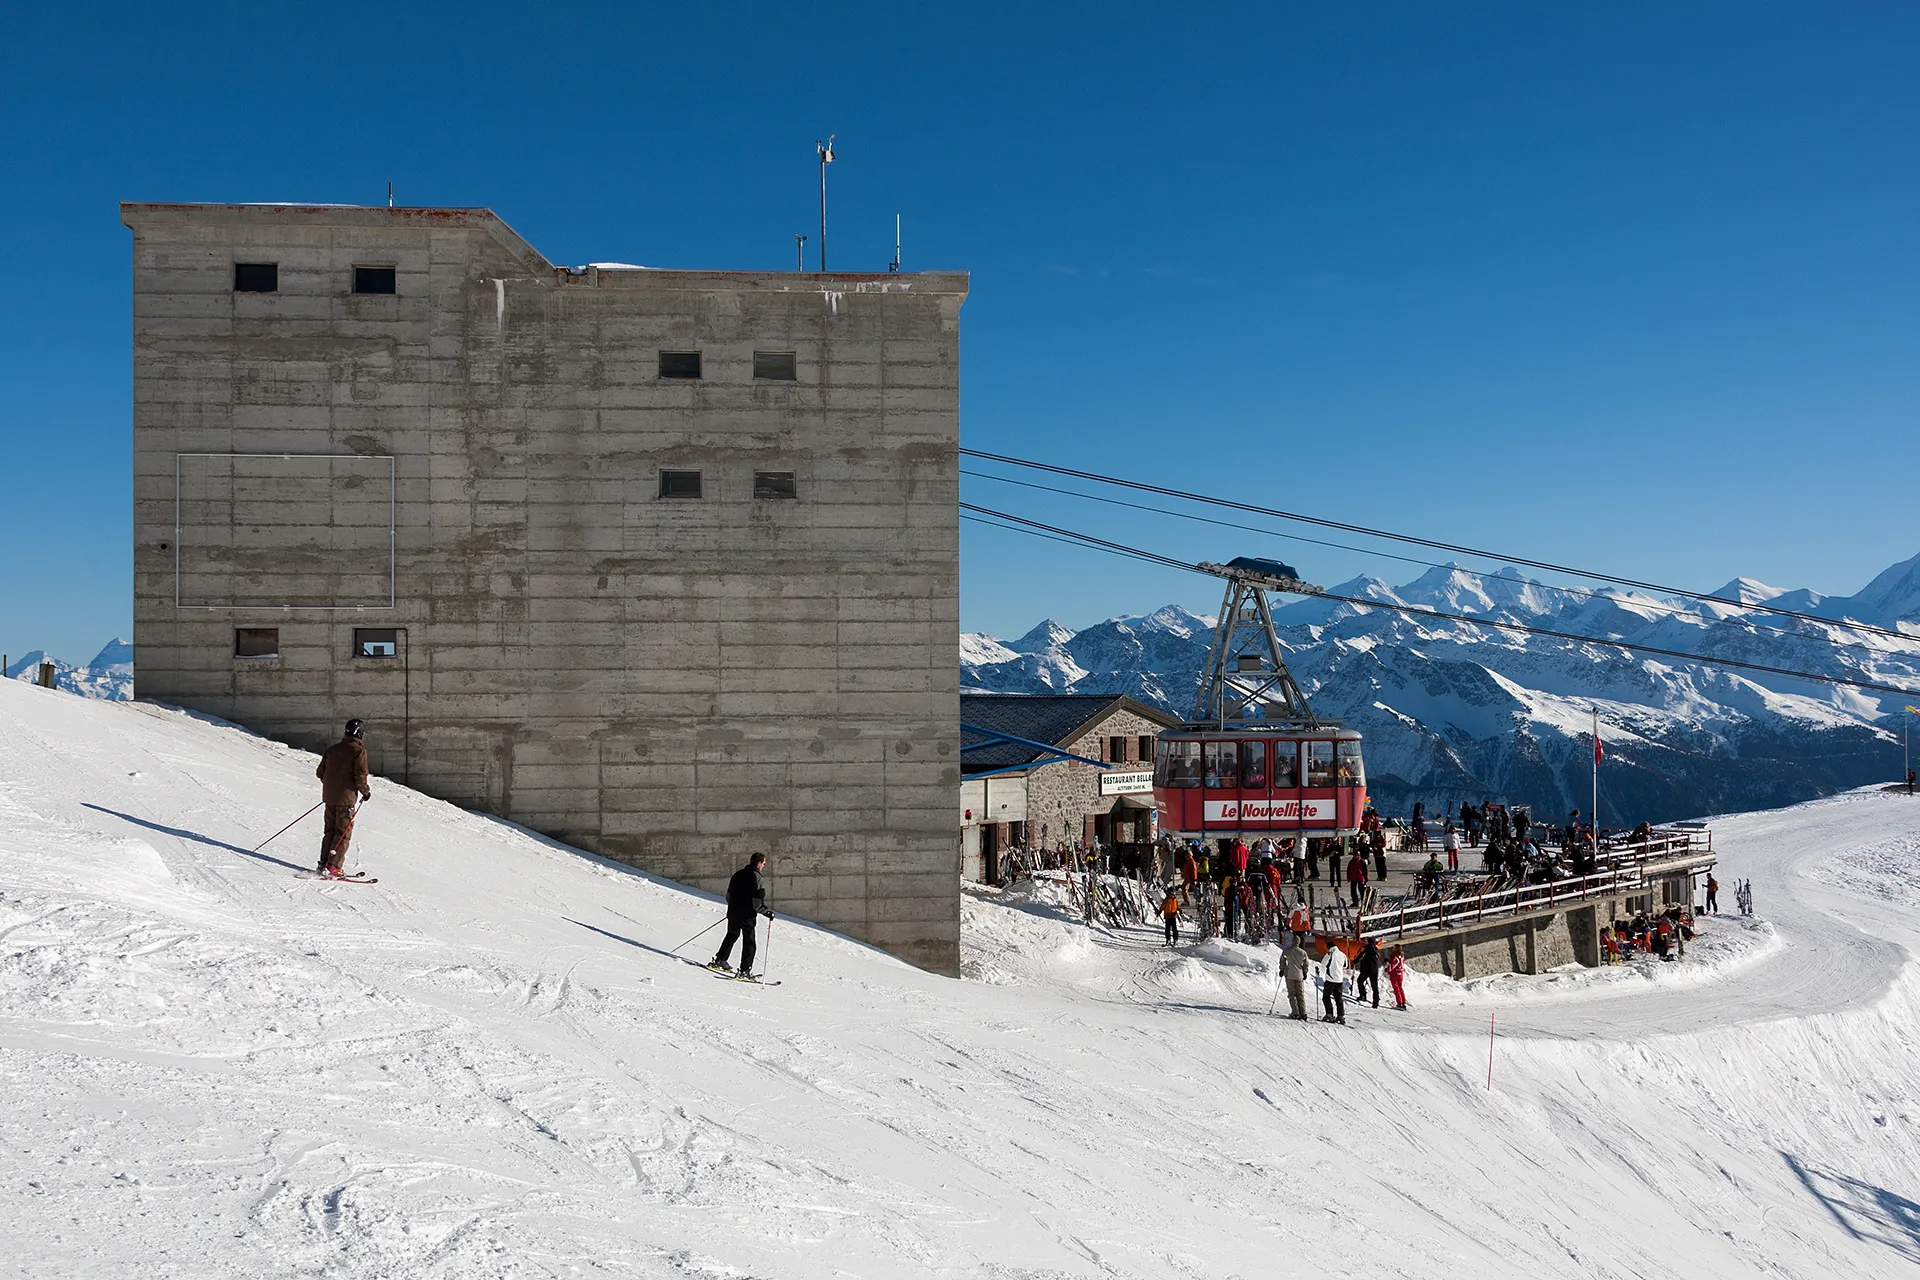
(1593, 815)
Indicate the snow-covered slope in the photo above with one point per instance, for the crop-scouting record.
(1457, 711)
(490, 1065)
(109, 675)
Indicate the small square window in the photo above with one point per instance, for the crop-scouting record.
(256, 277)
(679, 484)
(256, 642)
(376, 642)
(679, 364)
(775, 366)
(773, 484)
(375, 280)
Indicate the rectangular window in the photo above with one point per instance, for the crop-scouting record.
(773, 484)
(375, 280)
(1286, 764)
(256, 277)
(1223, 765)
(680, 364)
(376, 642)
(1117, 750)
(775, 366)
(256, 642)
(1178, 764)
(1349, 769)
(1319, 764)
(679, 484)
(1253, 766)
(1146, 747)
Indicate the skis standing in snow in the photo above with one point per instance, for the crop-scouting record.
(746, 900)
(343, 786)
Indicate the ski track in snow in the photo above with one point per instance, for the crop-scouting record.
(487, 1065)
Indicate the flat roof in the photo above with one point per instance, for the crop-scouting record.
(133, 212)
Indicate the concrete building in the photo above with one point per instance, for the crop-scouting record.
(1015, 796)
(661, 563)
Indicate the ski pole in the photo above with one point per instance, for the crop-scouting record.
(282, 831)
(769, 956)
(703, 933)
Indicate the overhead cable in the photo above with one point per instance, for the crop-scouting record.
(1708, 660)
(1663, 606)
(1547, 565)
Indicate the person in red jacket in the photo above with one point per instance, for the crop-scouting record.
(343, 784)
(1397, 976)
(1356, 877)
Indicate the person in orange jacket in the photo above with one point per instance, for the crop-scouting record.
(1170, 914)
(1189, 874)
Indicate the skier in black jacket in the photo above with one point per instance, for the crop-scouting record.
(746, 898)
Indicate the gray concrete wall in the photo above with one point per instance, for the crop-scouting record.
(1530, 943)
(668, 682)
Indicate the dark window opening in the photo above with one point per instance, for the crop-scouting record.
(679, 484)
(256, 277)
(774, 484)
(1146, 747)
(679, 364)
(256, 642)
(375, 280)
(1116, 750)
(775, 366)
(376, 642)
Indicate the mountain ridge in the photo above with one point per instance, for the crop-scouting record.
(1455, 711)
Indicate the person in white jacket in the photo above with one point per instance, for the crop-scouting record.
(1333, 980)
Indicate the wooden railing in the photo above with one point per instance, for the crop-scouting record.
(1625, 864)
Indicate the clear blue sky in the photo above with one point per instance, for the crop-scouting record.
(1635, 286)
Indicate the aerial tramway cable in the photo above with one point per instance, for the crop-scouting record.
(1662, 606)
(1547, 565)
(1020, 524)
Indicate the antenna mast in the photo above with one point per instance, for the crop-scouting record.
(826, 158)
(895, 264)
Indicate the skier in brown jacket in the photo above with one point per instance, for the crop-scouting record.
(343, 784)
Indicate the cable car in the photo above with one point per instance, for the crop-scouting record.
(1256, 760)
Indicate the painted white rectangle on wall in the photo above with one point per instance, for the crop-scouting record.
(1114, 783)
(1254, 812)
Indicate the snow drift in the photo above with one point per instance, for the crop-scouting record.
(490, 1064)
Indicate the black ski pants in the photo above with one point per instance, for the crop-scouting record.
(1368, 980)
(1334, 999)
(741, 927)
(1173, 929)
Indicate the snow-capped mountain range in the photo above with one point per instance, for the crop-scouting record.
(1457, 711)
(109, 675)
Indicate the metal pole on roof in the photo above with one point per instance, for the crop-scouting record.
(826, 158)
(799, 253)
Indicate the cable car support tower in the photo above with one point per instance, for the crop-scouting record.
(1247, 684)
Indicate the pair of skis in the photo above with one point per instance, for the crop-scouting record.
(356, 878)
(731, 976)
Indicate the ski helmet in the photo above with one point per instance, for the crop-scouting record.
(356, 728)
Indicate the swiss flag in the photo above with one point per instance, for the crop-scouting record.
(1597, 753)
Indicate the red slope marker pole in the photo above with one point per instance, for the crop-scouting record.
(1489, 1052)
